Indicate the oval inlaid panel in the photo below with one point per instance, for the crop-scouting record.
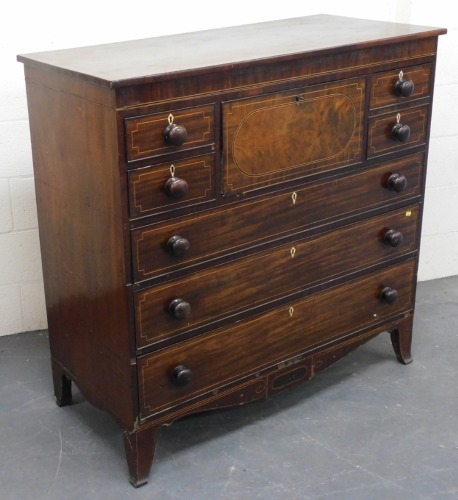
(291, 134)
(284, 136)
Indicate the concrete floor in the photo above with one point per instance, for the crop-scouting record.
(367, 428)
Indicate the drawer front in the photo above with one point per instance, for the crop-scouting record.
(145, 134)
(149, 194)
(221, 232)
(286, 135)
(232, 288)
(380, 139)
(386, 88)
(246, 347)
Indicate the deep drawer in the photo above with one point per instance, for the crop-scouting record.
(226, 290)
(290, 134)
(383, 87)
(229, 230)
(148, 191)
(231, 353)
(145, 134)
(380, 140)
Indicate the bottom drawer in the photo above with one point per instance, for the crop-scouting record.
(218, 358)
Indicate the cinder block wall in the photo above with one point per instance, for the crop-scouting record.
(48, 25)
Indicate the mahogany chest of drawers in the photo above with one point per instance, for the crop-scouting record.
(224, 214)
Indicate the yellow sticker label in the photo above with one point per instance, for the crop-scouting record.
(408, 213)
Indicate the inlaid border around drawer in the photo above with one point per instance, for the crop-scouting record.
(144, 134)
(146, 185)
(230, 353)
(224, 291)
(383, 85)
(380, 141)
(238, 227)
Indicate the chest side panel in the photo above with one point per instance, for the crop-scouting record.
(80, 214)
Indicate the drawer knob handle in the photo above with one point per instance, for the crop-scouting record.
(181, 375)
(177, 246)
(403, 87)
(175, 135)
(393, 238)
(400, 132)
(179, 309)
(389, 295)
(396, 182)
(176, 188)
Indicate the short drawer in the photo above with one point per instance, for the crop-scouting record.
(150, 189)
(225, 231)
(400, 85)
(226, 290)
(145, 134)
(228, 354)
(381, 138)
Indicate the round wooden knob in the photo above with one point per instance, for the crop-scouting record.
(389, 295)
(396, 183)
(404, 88)
(177, 246)
(176, 187)
(393, 238)
(175, 135)
(181, 375)
(400, 132)
(179, 309)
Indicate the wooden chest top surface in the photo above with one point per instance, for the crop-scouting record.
(139, 61)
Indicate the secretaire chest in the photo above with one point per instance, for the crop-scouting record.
(224, 214)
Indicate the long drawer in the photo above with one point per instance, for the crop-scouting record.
(212, 234)
(230, 353)
(226, 290)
